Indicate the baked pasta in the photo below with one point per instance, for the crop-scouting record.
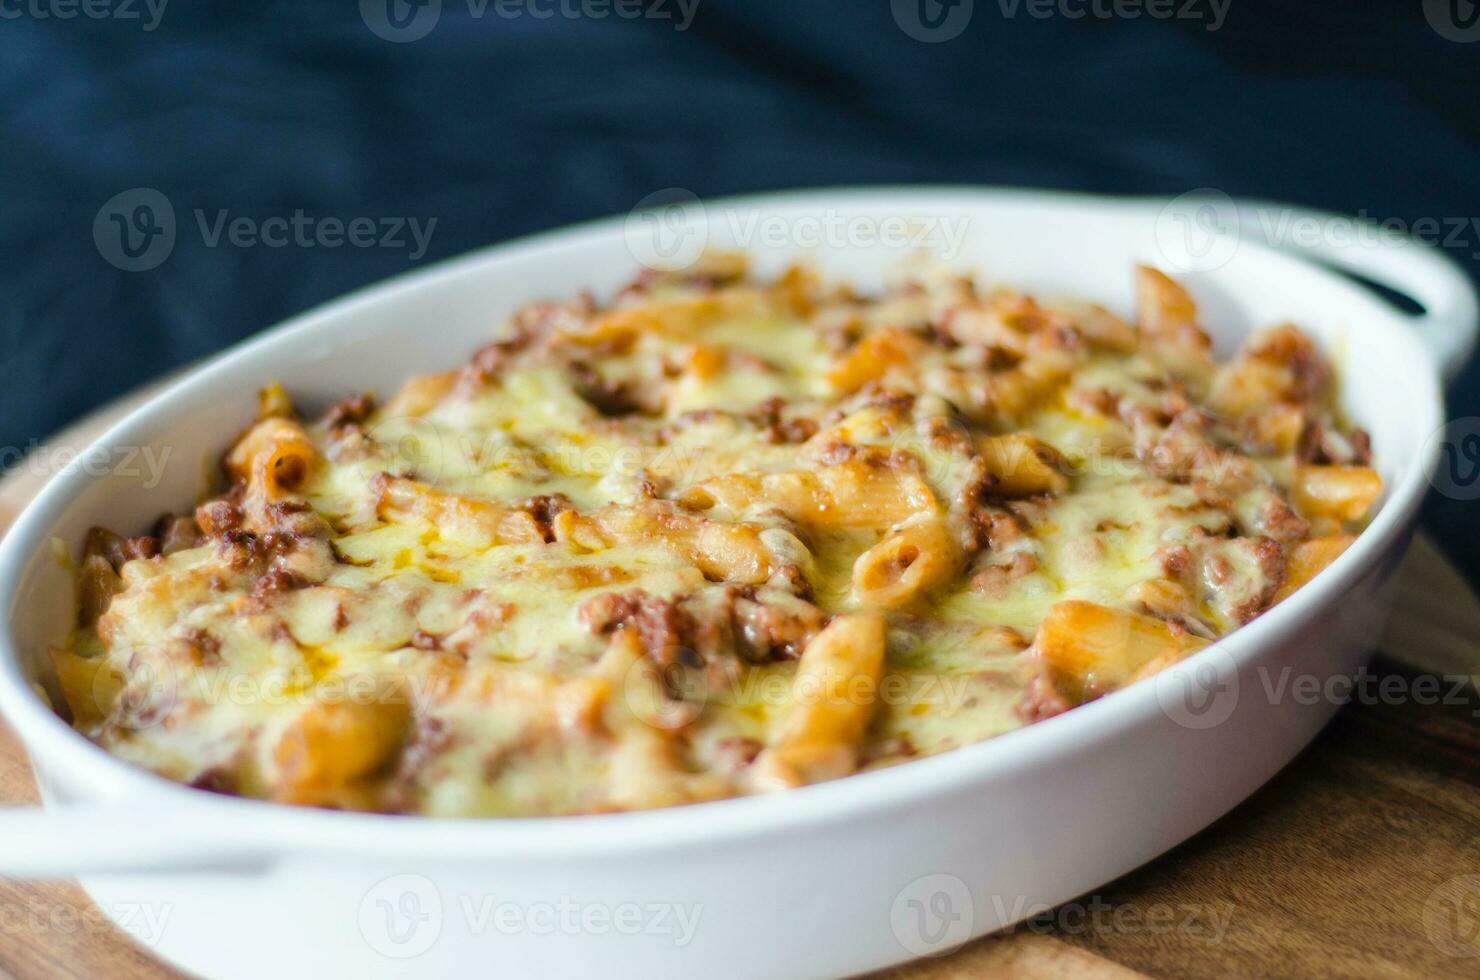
(716, 537)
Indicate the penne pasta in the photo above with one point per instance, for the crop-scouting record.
(856, 493)
(1091, 649)
(1022, 465)
(273, 459)
(1306, 559)
(89, 686)
(476, 523)
(873, 357)
(832, 702)
(1345, 493)
(710, 537)
(332, 745)
(905, 566)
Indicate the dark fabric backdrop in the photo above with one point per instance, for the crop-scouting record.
(498, 126)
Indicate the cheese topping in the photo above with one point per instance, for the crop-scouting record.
(717, 537)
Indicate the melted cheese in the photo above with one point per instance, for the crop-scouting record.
(646, 513)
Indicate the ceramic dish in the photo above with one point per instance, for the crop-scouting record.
(825, 880)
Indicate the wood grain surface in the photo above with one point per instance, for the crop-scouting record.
(1360, 859)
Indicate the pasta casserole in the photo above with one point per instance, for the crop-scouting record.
(715, 536)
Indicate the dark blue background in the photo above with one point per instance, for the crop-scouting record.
(499, 126)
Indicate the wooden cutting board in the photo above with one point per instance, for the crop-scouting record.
(1361, 859)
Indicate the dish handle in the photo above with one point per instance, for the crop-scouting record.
(1393, 258)
(69, 840)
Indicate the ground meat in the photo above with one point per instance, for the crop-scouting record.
(119, 550)
(1241, 575)
(217, 518)
(767, 631)
(895, 747)
(947, 434)
(1278, 520)
(662, 627)
(276, 579)
(176, 533)
(699, 628)
(890, 400)
(777, 429)
(836, 451)
(1040, 698)
(196, 646)
(490, 360)
(349, 411)
(612, 399)
(996, 580)
(216, 780)
(1323, 443)
(544, 510)
(1310, 375)
(429, 738)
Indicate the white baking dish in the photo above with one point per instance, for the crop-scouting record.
(827, 880)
